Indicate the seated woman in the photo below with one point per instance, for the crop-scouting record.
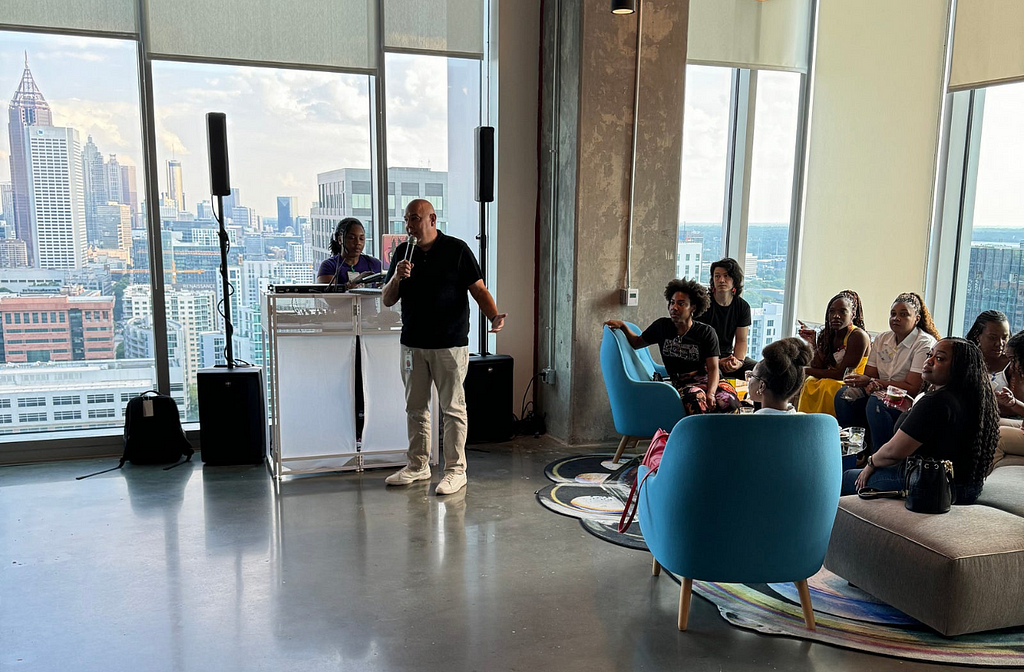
(776, 380)
(841, 348)
(688, 348)
(955, 420)
(896, 359)
(1011, 397)
(348, 263)
(990, 332)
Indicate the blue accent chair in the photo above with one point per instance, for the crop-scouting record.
(743, 499)
(640, 405)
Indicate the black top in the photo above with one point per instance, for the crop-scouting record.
(725, 320)
(937, 421)
(683, 355)
(435, 303)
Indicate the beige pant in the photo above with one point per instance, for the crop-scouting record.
(446, 369)
(1011, 442)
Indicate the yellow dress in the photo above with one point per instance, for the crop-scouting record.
(819, 394)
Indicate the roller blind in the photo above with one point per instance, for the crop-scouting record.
(105, 16)
(443, 26)
(988, 43)
(337, 34)
(747, 34)
(875, 117)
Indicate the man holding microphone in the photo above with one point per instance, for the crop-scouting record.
(432, 284)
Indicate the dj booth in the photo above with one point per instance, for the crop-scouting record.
(315, 343)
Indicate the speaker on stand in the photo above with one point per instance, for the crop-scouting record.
(232, 399)
(489, 377)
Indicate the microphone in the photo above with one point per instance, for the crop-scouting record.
(410, 245)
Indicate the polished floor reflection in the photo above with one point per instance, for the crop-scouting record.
(212, 569)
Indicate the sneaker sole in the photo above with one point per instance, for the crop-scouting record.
(403, 482)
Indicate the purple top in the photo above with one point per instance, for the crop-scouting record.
(365, 263)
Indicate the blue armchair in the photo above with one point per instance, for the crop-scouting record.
(640, 406)
(743, 499)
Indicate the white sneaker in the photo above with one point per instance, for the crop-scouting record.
(451, 483)
(405, 476)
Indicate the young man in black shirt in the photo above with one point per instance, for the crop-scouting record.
(435, 340)
(729, 316)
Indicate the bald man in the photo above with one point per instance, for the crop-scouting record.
(433, 288)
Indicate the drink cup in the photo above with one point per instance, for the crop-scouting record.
(856, 440)
(895, 394)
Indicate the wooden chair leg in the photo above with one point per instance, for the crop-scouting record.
(655, 568)
(805, 602)
(685, 589)
(622, 448)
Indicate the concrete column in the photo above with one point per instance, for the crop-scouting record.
(585, 231)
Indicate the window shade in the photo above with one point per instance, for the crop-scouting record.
(443, 26)
(337, 34)
(988, 43)
(747, 34)
(875, 118)
(103, 16)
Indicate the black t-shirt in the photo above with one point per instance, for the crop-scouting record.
(683, 355)
(937, 421)
(435, 302)
(725, 320)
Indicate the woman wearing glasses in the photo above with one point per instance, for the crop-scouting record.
(776, 380)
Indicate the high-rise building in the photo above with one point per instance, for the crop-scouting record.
(204, 210)
(175, 187)
(285, 213)
(131, 194)
(56, 192)
(995, 281)
(115, 190)
(27, 108)
(114, 226)
(242, 216)
(13, 253)
(688, 253)
(94, 180)
(231, 201)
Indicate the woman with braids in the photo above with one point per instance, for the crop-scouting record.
(778, 377)
(990, 332)
(955, 420)
(896, 360)
(1010, 400)
(347, 263)
(841, 347)
(688, 348)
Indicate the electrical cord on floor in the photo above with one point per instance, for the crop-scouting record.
(528, 422)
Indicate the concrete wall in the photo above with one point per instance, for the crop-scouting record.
(595, 98)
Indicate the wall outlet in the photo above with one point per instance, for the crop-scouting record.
(629, 297)
(547, 376)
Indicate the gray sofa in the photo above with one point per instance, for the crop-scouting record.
(958, 572)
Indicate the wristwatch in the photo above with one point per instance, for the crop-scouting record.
(871, 461)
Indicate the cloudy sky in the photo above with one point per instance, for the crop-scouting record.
(285, 126)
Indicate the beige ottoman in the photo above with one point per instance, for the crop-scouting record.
(958, 572)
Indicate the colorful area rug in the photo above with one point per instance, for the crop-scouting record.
(593, 490)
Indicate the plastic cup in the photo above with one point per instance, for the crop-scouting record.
(895, 394)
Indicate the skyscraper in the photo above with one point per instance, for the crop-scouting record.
(7, 203)
(130, 192)
(114, 190)
(94, 174)
(56, 195)
(175, 189)
(285, 212)
(28, 108)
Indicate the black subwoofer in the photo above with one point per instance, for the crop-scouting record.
(489, 398)
(232, 415)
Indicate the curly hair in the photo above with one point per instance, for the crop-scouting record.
(824, 342)
(1016, 346)
(341, 231)
(969, 383)
(782, 366)
(974, 334)
(698, 293)
(732, 267)
(915, 301)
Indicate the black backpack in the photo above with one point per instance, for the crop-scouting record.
(152, 433)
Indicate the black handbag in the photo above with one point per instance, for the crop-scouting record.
(929, 485)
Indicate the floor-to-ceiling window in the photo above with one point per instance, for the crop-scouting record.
(73, 239)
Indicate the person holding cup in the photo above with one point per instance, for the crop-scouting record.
(841, 347)
(893, 370)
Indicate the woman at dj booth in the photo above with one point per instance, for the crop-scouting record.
(348, 263)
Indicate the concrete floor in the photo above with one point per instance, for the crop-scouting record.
(208, 569)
